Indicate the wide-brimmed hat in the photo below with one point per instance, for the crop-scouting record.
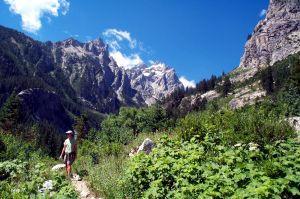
(69, 132)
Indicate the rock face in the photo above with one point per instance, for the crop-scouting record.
(192, 103)
(274, 38)
(41, 105)
(154, 82)
(82, 74)
(96, 78)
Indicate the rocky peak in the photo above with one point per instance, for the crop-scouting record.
(154, 82)
(286, 5)
(96, 47)
(71, 42)
(274, 38)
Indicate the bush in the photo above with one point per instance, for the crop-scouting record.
(23, 170)
(193, 170)
(258, 124)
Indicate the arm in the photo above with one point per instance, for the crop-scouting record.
(62, 151)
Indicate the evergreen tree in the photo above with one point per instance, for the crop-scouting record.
(211, 83)
(81, 126)
(226, 88)
(267, 80)
(295, 73)
(202, 86)
(10, 113)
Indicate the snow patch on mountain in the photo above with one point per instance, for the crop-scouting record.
(154, 82)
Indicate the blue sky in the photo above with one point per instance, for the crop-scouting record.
(196, 37)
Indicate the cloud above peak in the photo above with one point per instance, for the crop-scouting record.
(32, 11)
(263, 12)
(187, 83)
(124, 49)
(126, 61)
(120, 36)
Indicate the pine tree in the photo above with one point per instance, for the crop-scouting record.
(226, 88)
(211, 83)
(81, 126)
(267, 80)
(10, 113)
(202, 86)
(295, 73)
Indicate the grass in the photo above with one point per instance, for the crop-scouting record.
(105, 177)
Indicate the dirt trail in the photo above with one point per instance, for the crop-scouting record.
(81, 186)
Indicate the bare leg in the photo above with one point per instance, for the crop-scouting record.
(66, 168)
(69, 169)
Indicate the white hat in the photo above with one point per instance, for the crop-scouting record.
(69, 132)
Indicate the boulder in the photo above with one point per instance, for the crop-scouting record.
(295, 122)
(47, 186)
(58, 167)
(146, 146)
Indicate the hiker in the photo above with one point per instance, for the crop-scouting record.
(69, 152)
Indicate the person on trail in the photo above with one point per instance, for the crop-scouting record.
(69, 152)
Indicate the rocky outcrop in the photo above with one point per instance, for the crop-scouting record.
(40, 105)
(145, 147)
(247, 95)
(155, 82)
(274, 38)
(192, 103)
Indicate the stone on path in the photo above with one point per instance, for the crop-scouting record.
(58, 167)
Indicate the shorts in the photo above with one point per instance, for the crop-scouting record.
(69, 158)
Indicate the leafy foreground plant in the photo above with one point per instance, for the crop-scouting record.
(203, 169)
(22, 180)
(22, 176)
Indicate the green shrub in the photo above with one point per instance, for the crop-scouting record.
(260, 124)
(192, 170)
(23, 170)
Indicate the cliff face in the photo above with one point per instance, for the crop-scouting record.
(154, 82)
(273, 38)
(83, 75)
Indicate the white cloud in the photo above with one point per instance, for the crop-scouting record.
(126, 61)
(263, 12)
(120, 36)
(151, 62)
(70, 35)
(187, 83)
(32, 11)
(121, 41)
(114, 45)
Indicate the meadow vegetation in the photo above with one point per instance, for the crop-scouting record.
(215, 152)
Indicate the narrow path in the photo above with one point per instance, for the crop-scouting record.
(81, 186)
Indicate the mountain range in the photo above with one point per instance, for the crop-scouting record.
(83, 77)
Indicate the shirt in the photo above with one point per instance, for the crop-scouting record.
(69, 143)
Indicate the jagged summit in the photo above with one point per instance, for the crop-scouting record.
(154, 82)
(86, 69)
